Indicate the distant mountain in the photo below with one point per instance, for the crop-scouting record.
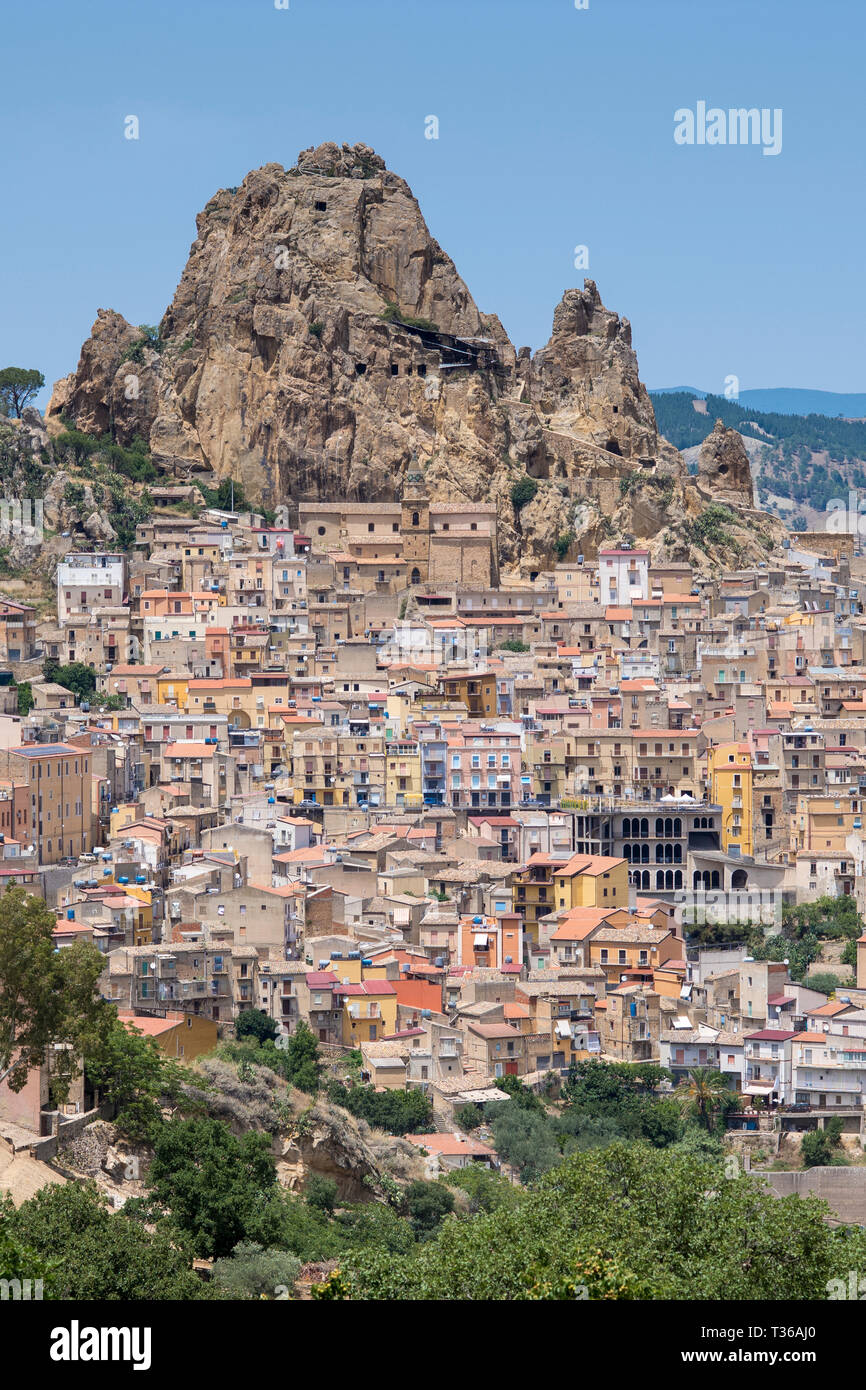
(788, 400)
(807, 458)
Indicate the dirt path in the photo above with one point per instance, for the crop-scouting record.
(22, 1176)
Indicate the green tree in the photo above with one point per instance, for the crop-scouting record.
(523, 491)
(428, 1203)
(25, 698)
(77, 677)
(375, 1225)
(18, 386)
(398, 1112)
(255, 1023)
(627, 1221)
(485, 1190)
(820, 1147)
(95, 1253)
(705, 1095)
(215, 1188)
(524, 1138)
(46, 996)
(132, 1073)
(468, 1117)
(303, 1068)
(321, 1193)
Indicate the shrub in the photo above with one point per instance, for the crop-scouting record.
(251, 1271)
(523, 491)
(321, 1193)
(255, 1023)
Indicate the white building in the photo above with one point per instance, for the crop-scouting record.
(623, 575)
(88, 582)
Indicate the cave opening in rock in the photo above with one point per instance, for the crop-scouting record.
(613, 448)
(321, 207)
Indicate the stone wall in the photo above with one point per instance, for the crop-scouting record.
(844, 1189)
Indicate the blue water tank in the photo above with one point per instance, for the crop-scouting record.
(70, 914)
(123, 880)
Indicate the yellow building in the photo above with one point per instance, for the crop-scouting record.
(403, 773)
(331, 769)
(476, 690)
(369, 1011)
(730, 772)
(234, 697)
(172, 690)
(824, 823)
(534, 891)
(591, 880)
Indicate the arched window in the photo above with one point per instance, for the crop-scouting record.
(669, 826)
(416, 519)
(644, 854)
(626, 826)
(678, 828)
(678, 854)
(669, 879)
(739, 879)
(714, 883)
(626, 853)
(669, 854)
(644, 827)
(660, 826)
(660, 878)
(660, 854)
(678, 878)
(646, 879)
(415, 577)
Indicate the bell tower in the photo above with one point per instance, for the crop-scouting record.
(415, 528)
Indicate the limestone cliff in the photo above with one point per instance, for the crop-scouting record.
(321, 344)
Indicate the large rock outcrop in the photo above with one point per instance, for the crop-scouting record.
(321, 344)
(724, 470)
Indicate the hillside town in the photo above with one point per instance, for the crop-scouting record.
(471, 829)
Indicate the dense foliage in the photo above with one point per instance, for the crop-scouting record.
(622, 1222)
(398, 1112)
(89, 1252)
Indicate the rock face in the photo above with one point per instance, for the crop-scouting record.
(724, 471)
(321, 344)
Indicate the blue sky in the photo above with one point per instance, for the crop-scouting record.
(555, 129)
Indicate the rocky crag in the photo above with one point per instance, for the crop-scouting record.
(321, 344)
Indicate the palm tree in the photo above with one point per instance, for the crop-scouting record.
(705, 1095)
